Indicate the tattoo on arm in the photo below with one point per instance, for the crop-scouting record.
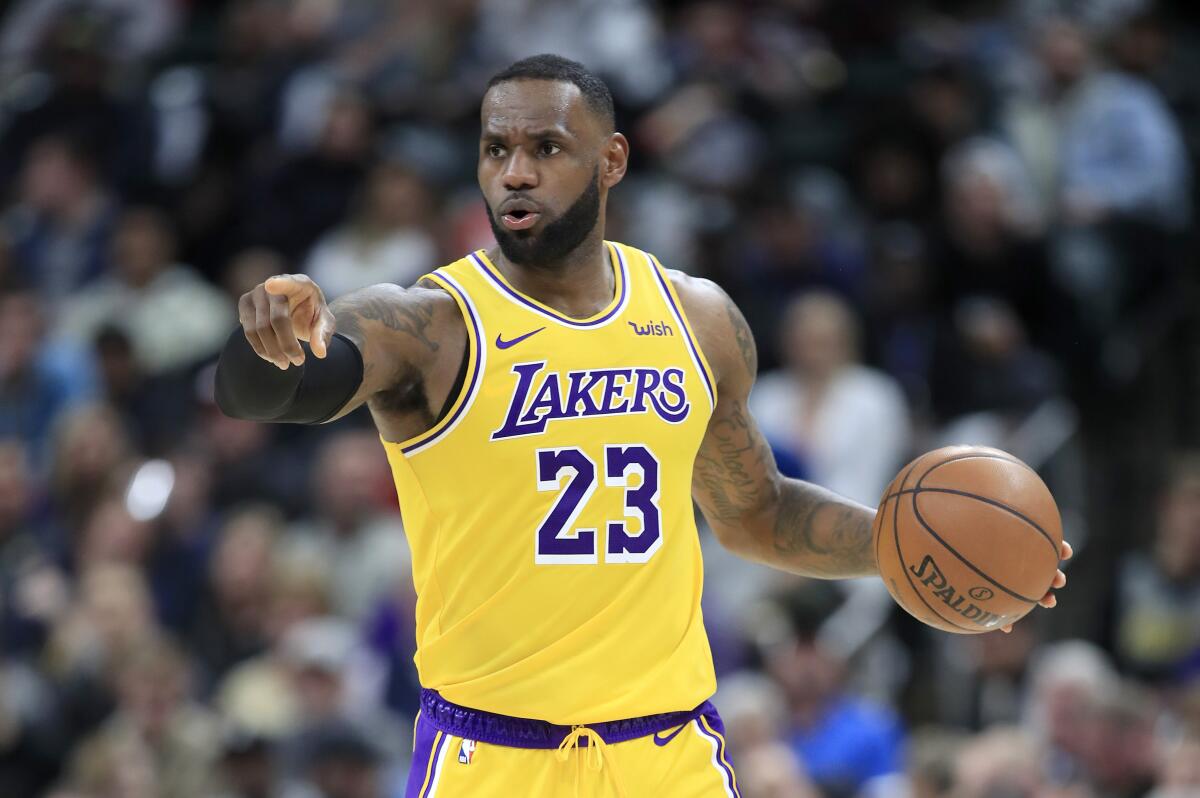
(753, 510)
(730, 462)
(412, 316)
(830, 536)
(743, 336)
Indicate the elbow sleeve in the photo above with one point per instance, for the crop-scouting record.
(249, 387)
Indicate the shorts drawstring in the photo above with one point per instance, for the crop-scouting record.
(596, 755)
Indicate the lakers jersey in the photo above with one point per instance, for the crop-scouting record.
(549, 513)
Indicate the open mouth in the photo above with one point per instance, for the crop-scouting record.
(520, 219)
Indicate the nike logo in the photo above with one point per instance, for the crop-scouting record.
(502, 344)
(661, 741)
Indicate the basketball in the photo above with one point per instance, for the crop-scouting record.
(967, 539)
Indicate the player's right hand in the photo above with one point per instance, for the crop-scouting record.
(278, 314)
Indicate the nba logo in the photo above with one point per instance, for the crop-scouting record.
(466, 752)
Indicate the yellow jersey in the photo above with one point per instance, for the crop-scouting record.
(549, 513)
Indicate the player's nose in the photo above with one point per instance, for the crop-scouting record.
(519, 172)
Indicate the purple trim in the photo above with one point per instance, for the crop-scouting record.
(617, 306)
(433, 771)
(712, 393)
(715, 721)
(489, 727)
(423, 752)
(470, 388)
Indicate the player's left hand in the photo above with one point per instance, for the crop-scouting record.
(1060, 579)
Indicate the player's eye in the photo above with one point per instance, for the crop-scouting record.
(549, 148)
(495, 151)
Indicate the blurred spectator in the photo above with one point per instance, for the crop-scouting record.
(341, 761)
(846, 744)
(60, 228)
(1069, 680)
(387, 239)
(1119, 743)
(801, 235)
(1157, 599)
(90, 453)
(31, 589)
(153, 408)
(139, 27)
(317, 674)
(249, 268)
(990, 246)
(1102, 142)
(355, 529)
(983, 680)
(233, 624)
(295, 202)
(932, 757)
(848, 423)
(1179, 768)
(619, 40)
(32, 742)
(173, 317)
(157, 743)
(39, 380)
(112, 615)
(772, 771)
(986, 365)
(1001, 761)
(247, 765)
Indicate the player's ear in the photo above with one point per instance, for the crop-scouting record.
(616, 160)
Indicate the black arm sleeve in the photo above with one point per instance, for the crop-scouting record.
(251, 388)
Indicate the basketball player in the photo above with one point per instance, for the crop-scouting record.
(550, 408)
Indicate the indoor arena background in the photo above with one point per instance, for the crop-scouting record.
(946, 221)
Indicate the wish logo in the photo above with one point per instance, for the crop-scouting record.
(542, 396)
(658, 328)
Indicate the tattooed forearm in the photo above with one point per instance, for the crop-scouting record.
(404, 313)
(821, 532)
(790, 524)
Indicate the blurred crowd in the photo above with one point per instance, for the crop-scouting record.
(946, 220)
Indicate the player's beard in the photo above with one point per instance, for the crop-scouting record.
(558, 238)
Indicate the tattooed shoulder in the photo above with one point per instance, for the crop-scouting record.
(409, 312)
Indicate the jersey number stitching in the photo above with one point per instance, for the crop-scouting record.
(557, 542)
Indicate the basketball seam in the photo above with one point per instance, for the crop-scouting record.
(904, 566)
(984, 456)
(971, 456)
(962, 559)
(985, 500)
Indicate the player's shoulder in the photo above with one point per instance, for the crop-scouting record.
(698, 294)
(719, 326)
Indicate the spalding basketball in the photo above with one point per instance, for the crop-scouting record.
(967, 539)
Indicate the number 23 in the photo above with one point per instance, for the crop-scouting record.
(559, 543)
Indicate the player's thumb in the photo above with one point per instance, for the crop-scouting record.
(322, 334)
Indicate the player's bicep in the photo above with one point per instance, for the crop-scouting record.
(735, 479)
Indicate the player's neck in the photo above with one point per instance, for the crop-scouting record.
(580, 285)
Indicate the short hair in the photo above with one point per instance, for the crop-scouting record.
(554, 67)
